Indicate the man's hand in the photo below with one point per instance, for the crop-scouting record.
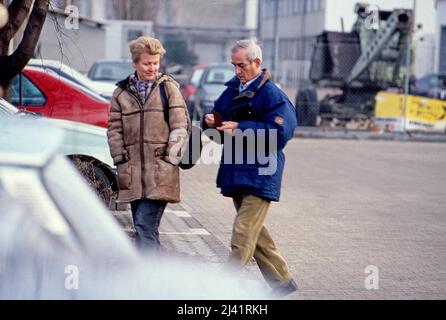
(228, 127)
(209, 119)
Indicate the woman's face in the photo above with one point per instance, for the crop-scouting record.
(148, 66)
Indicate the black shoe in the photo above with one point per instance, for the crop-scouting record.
(284, 289)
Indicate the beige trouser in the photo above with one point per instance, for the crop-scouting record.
(250, 237)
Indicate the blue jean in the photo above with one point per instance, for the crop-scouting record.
(147, 216)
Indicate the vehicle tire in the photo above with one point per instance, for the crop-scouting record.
(307, 108)
(96, 178)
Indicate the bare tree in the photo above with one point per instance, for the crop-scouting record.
(34, 13)
(135, 9)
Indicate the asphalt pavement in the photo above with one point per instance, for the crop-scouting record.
(361, 216)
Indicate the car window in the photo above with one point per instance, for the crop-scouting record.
(26, 93)
(15, 91)
(196, 77)
(219, 75)
(112, 71)
(435, 82)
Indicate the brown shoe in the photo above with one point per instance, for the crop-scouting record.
(284, 289)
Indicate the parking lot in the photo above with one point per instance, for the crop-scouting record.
(346, 206)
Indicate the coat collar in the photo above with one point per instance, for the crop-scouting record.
(125, 83)
(253, 87)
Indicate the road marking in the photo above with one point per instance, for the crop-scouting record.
(179, 213)
(192, 231)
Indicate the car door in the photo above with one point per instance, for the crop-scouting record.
(26, 95)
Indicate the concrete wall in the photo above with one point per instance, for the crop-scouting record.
(210, 27)
(206, 13)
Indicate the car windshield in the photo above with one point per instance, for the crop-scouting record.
(112, 71)
(219, 75)
(196, 76)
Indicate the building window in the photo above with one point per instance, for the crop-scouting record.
(268, 49)
(298, 6)
(133, 35)
(84, 7)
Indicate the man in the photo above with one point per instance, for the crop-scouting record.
(253, 106)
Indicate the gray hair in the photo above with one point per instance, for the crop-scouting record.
(254, 50)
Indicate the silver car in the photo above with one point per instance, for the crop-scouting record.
(86, 146)
(58, 241)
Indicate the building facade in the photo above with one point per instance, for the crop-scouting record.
(209, 27)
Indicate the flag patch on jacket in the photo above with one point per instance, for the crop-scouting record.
(278, 120)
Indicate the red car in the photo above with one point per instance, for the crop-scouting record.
(47, 94)
(191, 87)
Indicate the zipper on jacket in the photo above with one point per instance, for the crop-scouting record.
(141, 143)
(141, 136)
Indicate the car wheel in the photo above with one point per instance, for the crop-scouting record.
(96, 178)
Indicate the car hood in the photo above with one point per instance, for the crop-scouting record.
(104, 88)
(28, 148)
(83, 139)
(211, 91)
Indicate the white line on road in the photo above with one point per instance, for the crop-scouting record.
(192, 231)
(179, 213)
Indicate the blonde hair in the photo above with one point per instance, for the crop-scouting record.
(148, 45)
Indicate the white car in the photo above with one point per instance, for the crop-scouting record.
(85, 145)
(110, 71)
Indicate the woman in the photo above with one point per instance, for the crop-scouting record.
(144, 147)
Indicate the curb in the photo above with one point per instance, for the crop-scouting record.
(339, 134)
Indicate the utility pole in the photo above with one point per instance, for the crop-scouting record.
(408, 66)
(275, 66)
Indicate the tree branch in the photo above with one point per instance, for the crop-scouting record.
(18, 60)
(18, 11)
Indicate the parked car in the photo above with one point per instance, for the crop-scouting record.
(42, 92)
(105, 89)
(211, 85)
(432, 86)
(110, 71)
(57, 241)
(85, 145)
(190, 88)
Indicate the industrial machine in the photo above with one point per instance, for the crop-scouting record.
(372, 57)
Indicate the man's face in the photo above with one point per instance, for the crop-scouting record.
(148, 66)
(244, 69)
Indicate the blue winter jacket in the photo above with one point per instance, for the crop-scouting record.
(253, 161)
